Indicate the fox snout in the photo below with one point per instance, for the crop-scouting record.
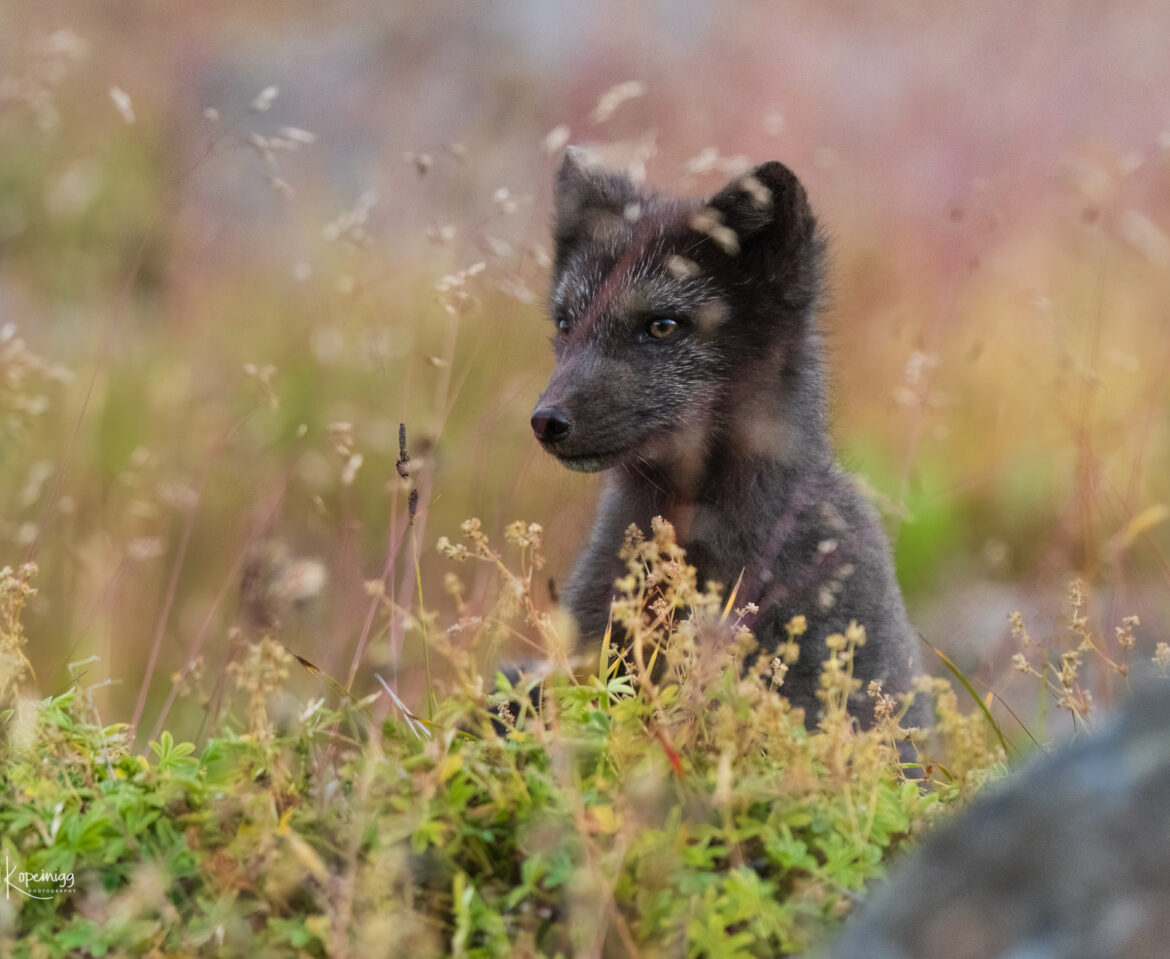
(578, 424)
(550, 424)
(572, 411)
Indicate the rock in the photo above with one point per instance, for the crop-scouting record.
(1068, 859)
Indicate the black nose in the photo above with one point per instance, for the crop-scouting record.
(549, 424)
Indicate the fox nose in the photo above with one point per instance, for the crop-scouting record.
(550, 424)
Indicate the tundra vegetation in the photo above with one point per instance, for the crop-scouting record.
(249, 383)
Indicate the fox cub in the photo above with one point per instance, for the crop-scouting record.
(689, 369)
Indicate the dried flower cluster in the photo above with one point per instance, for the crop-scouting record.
(24, 382)
(261, 671)
(15, 590)
(1063, 671)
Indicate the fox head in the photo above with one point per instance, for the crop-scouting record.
(668, 310)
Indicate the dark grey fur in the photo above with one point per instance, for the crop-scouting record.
(720, 427)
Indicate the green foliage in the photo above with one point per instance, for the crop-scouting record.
(688, 811)
(560, 834)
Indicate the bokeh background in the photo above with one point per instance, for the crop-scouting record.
(241, 243)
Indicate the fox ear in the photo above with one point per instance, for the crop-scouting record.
(590, 201)
(767, 204)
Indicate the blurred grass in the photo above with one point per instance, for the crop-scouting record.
(997, 325)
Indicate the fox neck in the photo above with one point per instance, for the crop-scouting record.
(760, 441)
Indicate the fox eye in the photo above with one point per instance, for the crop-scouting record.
(661, 327)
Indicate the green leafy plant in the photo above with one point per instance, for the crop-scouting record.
(664, 800)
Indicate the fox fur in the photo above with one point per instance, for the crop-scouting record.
(690, 370)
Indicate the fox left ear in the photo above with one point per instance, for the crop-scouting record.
(766, 204)
(590, 201)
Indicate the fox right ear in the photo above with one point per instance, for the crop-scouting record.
(767, 203)
(590, 201)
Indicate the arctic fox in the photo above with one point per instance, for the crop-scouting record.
(689, 369)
